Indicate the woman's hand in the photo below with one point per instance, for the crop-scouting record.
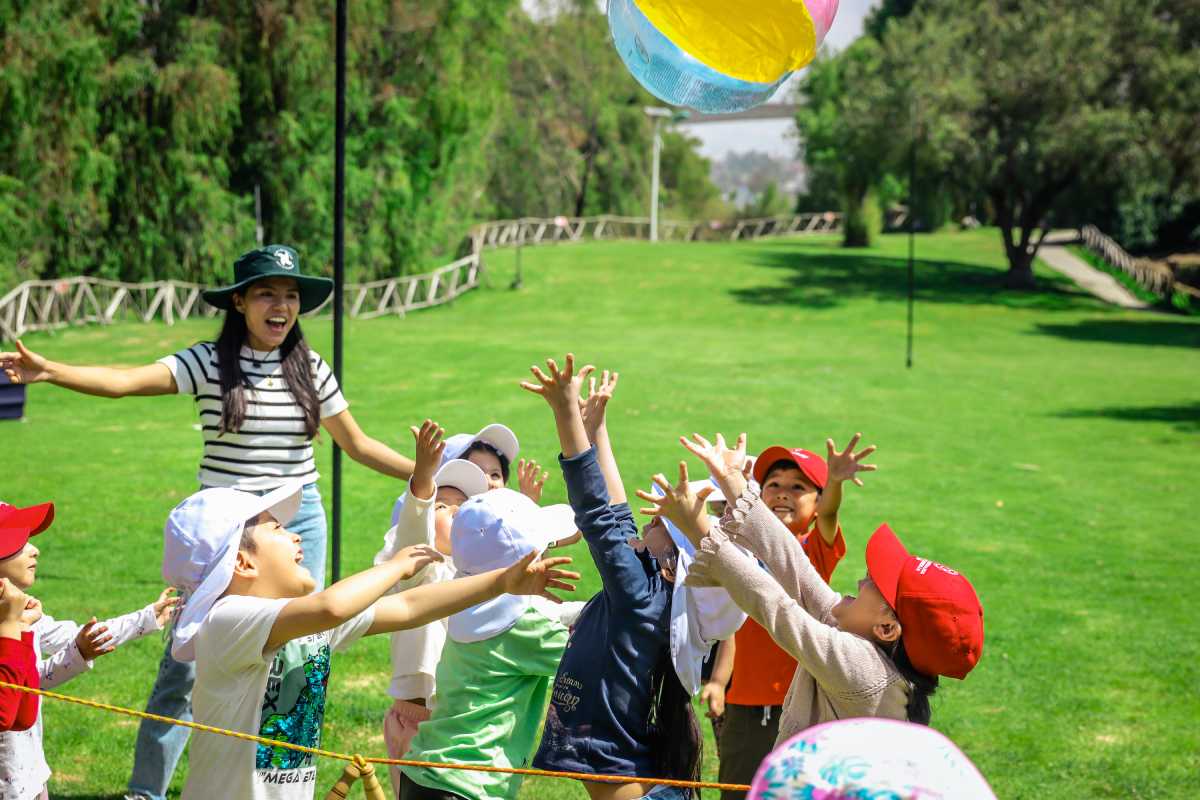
(25, 366)
(529, 480)
(529, 576)
(680, 504)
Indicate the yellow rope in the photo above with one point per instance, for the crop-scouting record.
(358, 759)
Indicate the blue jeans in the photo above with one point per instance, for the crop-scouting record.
(661, 792)
(160, 745)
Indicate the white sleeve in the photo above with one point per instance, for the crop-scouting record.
(187, 367)
(236, 631)
(352, 630)
(564, 613)
(415, 525)
(131, 626)
(61, 660)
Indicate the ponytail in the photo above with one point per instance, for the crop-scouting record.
(676, 741)
(923, 686)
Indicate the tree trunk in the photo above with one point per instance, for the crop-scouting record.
(1020, 268)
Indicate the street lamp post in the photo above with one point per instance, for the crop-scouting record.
(658, 114)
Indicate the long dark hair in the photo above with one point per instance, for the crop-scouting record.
(297, 371)
(481, 446)
(674, 731)
(923, 685)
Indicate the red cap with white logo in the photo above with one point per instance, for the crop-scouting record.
(811, 464)
(18, 524)
(940, 615)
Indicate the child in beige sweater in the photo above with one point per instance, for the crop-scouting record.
(874, 655)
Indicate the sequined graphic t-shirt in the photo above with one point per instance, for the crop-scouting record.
(276, 694)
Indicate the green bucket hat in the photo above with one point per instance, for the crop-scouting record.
(272, 261)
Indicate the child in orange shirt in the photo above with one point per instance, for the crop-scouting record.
(805, 494)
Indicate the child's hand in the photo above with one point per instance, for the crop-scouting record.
(415, 558)
(560, 388)
(593, 408)
(680, 505)
(844, 466)
(164, 605)
(528, 576)
(430, 448)
(713, 695)
(529, 480)
(94, 641)
(24, 366)
(32, 612)
(728, 467)
(12, 602)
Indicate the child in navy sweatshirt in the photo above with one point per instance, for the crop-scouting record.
(617, 706)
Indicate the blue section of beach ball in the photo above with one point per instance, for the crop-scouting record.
(672, 75)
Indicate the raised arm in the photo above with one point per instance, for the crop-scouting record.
(347, 598)
(424, 604)
(25, 366)
(843, 466)
(594, 412)
(365, 450)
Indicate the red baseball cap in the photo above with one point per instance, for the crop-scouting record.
(939, 613)
(18, 524)
(811, 464)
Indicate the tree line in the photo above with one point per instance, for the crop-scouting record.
(1025, 114)
(143, 140)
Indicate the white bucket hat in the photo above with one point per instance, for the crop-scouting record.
(457, 472)
(495, 530)
(700, 616)
(497, 435)
(200, 546)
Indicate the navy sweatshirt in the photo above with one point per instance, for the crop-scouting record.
(599, 715)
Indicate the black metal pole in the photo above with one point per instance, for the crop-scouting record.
(339, 267)
(912, 215)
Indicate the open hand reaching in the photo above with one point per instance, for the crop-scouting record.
(844, 465)
(680, 504)
(530, 576)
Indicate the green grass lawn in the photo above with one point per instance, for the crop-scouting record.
(1043, 443)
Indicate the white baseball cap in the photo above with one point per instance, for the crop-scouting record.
(457, 472)
(200, 546)
(497, 435)
(496, 530)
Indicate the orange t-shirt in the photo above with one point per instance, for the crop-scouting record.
(762, 671)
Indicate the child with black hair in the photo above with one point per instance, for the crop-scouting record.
(874, 655)
(618, 707)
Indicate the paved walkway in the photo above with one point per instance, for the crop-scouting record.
(1055, 255)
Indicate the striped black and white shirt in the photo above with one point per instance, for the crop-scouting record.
(272, 444)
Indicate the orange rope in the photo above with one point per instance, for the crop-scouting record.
(544, 773)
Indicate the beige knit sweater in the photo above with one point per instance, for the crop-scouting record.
(840, 674)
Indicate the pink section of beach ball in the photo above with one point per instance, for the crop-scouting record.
(822, 13)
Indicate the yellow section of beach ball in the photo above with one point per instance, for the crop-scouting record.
(755, 41)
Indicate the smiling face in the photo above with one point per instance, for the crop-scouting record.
(489, 462)
(790, 495)
(445, 506)
(271, 306)
(21, 568)
(868, 615)
(273, 563)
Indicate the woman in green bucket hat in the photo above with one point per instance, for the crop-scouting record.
(262, 395)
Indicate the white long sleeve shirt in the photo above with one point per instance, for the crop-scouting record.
(23, 768)
(415, 652)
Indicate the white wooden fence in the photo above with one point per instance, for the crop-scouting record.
(1151, 277)
(52, 304)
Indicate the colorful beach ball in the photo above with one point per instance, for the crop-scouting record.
(875, 758)
(717, 56)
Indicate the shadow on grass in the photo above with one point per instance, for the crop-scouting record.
(827, 277)
(1184, 418)
(1128, 331)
